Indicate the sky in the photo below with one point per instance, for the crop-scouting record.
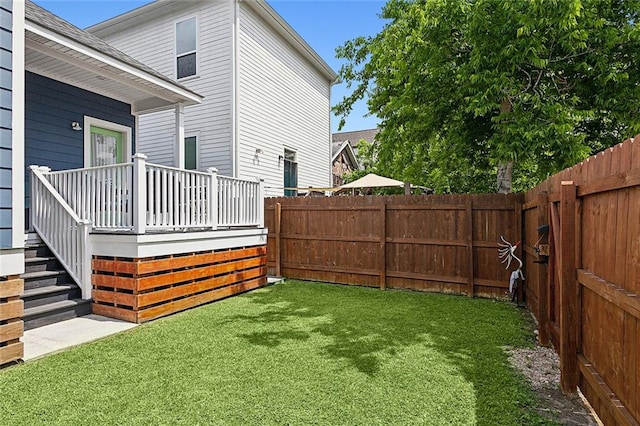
(324, 24)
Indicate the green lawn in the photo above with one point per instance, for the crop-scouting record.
(292, 353)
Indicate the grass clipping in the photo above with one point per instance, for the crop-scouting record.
(293, 353)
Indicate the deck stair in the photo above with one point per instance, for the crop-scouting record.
(50, 295)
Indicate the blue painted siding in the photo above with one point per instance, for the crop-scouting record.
(50, 108)
(6, 44)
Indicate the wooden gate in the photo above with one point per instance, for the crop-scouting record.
(587, 297)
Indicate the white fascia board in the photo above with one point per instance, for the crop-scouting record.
(182, 95)
(163, 244)
(350, 153)
(283, 28)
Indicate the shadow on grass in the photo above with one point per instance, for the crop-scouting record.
(366, 327)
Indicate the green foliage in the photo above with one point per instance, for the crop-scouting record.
(464, 86)
(293, 353)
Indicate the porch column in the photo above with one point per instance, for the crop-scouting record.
(178, 151)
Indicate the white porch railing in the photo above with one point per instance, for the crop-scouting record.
(138, 197)
(240, 202)
(66, 234)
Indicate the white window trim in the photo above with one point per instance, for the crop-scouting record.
(295, 152)
(92, 121)
(197, 136)
(175, 48)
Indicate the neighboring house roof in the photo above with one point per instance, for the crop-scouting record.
(339, 147)
(66, 48)
(355, 136)
(161, 7)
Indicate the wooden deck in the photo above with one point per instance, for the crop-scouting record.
(143, 289)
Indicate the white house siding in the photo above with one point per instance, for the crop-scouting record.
(153, 44)
(283, 103)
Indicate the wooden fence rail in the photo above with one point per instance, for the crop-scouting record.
(433, 243)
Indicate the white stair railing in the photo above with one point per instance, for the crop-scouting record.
(101, 195)
(61, 229)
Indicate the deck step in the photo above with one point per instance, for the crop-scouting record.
(39, 316)
(41, 263)
(50, 295)
(36, 250)
(45, 278)
(39, 296)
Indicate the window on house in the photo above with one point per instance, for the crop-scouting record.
(105, 143)
(186, 47)
(191, 152)
(290, 173)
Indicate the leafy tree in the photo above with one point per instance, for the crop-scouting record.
(471, 92)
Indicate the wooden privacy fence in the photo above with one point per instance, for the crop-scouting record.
(585, 294)
(440, 243)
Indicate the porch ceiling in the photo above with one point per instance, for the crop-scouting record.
(56, 49)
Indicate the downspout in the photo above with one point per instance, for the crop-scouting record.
(235, 144)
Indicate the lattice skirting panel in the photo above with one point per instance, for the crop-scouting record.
(11, 325)
(139, 290)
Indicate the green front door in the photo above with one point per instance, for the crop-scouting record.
(106, 147)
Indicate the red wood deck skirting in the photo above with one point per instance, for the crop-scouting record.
(11, 325)
(140, 290)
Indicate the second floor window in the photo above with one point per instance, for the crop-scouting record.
(186, 48)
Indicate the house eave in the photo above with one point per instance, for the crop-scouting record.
(109, 68)
(284, 29)
(346, 146)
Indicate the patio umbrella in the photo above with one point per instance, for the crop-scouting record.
(372, 180)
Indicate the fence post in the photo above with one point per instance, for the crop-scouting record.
(543, 281)
(278, 218)
(139, 193)
(261, 203)
(569, 374)
(470, 260)
(519, 251)
(382, 259)
(213, 197)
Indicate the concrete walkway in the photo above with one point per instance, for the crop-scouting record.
(57, 337)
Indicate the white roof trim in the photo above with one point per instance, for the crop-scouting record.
(266, 11)
(349, 153)
(181, 95)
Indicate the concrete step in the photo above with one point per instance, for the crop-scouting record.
(39, 316)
